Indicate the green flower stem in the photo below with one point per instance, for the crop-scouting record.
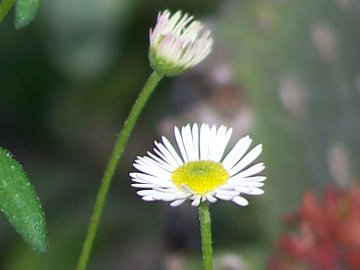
(111, 167)
(5, 6)
(206, 242)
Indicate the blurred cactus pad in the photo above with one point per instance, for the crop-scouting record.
(299, 63)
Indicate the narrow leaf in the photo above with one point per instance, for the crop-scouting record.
(20, 203)
(5, 6)
(25, 11)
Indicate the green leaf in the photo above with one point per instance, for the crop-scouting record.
(20, 203)
(25, 11)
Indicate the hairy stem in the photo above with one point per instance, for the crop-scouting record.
(206, 242)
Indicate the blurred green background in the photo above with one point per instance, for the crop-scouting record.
(285, 72)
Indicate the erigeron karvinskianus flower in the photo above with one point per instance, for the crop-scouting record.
(177, 43)
(199, 173)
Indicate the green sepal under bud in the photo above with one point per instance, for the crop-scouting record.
(164, 66)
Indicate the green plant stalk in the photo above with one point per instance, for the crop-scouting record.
(5, 6)
(206, 242)
(129, 124)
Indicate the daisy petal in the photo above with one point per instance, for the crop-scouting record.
(196, 201)
(240, 201)
(204, 142)
(246, 160)
(237, 152)
(177, 202)
(188, 142)
(257, 168)
(180, 143)
(172, 151)
(225, 197)
(195, 137)
(210, 198)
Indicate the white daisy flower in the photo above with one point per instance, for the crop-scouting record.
(199, 173)
(177, 43)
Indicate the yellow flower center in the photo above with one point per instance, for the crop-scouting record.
(200, 176)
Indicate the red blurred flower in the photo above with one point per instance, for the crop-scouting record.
(326, 235)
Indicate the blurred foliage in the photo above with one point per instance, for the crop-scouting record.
(25, 12)
(299, 64)
(324, 233)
